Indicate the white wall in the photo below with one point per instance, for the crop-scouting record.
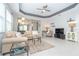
(14, 22)
(60, 20)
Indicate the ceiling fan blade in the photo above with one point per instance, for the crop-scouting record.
(44, 9)
(47, 10)
(39, 9)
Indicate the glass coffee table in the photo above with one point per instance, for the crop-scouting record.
(18, 49)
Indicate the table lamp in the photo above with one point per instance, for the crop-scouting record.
(72, 24)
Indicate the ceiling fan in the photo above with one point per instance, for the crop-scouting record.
(44, 9)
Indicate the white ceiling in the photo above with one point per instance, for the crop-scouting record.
(32, 7)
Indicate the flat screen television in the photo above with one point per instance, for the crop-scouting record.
(59, 30)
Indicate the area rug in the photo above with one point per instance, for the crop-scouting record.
(38, 47)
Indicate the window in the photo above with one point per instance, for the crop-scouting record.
(2, 18)
(23, 28)
(8, 21)
(5, 19)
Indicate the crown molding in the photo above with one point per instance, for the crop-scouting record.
(58, 12)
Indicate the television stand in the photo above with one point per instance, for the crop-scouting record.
(59, 35)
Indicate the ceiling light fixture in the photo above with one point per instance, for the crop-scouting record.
(21, 20)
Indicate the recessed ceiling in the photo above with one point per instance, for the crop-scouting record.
(53, 7)
(32, 7)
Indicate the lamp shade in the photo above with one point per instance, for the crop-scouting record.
(72, 23)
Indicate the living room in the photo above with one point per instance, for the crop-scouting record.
(31, 29)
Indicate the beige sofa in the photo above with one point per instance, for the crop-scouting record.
(9, 39)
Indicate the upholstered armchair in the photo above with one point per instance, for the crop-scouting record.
(28, 34)
(49, 33)
(36, 35)
(32, 35)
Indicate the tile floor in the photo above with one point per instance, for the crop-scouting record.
(62, 48)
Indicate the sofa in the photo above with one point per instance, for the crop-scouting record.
(11, 38)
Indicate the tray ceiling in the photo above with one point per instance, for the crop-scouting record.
(53, 7)
(32, 7)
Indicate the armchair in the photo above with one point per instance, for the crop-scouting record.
(32, 35)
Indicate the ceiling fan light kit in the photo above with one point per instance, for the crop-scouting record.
(43, 9)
